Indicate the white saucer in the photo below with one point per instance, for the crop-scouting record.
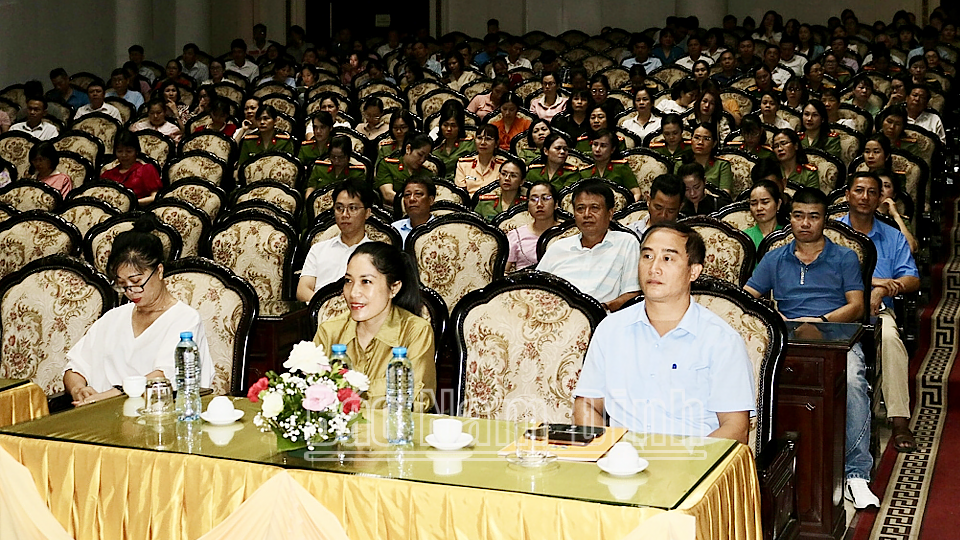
(463, 440)
(609, 469)
(222, 421)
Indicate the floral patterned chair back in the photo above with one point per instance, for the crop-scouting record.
(45, 308)
(98, 241)
(27, 194)
(228, 90)
(281, 102)
(276, 166)
(457, 254)
(647, 165)
(476, 86)
(259, 248)
(86, 212)
(862, 121)
(927, 142)
(831, 170)
(197, 192)
(622, 197)
(188, 220)
(156, 145)
(670, 74)
(269, 88)
(7, 212)
(431, 102)
(851, 143)
(196, 164)
(518, 347)
(32, 235)
(377, 87)
(78, 168)
(82, 143)
(730, 252)
(595, 63)
(271, 192)
(421, 88)
(228, 306)
(102, 126)
(116, 195)
(358, 141)
(15, 147)
(124, 107)
(448, 191)
(213, 142)
(741, 164)
(633, 213)
(736, 215)
(320, 201)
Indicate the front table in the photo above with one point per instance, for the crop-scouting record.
(102, 476)
(21, 400)
(813, 402)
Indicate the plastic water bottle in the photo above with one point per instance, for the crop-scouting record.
(338, 353)
(400, 398)
(187, 359)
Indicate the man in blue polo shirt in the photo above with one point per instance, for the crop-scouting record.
(895, 273)
(668, 364)
(815, 280)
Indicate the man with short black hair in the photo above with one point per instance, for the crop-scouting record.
(192, 66)
(120, 84)
(259, 41)
(668, 364)
(135, 55)
(419, 194)
(62, 91)
(327, 260)
(642, 45)
(34, 124)
(816, 280)
(663, 203)
(600, 262)
(747, 59)
(789, 56)
(491, 50)
(238, 62)
(917, 100)
(694, 48)
(96, 90)
(895, 273)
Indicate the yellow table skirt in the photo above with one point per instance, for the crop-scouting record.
(100, 492)
(21, 403)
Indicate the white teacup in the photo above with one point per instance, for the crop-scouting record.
(132, 406)
(134, 385)
(447, 430)
(623, 456)
(220, 407)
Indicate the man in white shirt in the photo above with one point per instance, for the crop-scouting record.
(238, 53)
(193, 67)
(326, 261)
(771, 59)
(135, 55)
(917, 101)
(642, 45)
(121, 83)
(96, 93)
(259, 41)
(34, 124)
(514, 60)
(600, 262)
(392, 44)
(418, 193)
(694, 47)
(789, 56)
(421, 53)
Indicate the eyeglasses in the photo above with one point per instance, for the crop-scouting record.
(538, 198)
(485, 138)
(349, 210)
(596, 91)
(135, 289)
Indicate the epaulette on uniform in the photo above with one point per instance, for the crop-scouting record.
(391, 160)
(535, 166)
(279, 135)
(467, 158)
(911, 139)
(490, 197)
(618, 161)
(322, 161)
(386, 142)
(658, 144)
(833, 134)
(767, 147)
(810, 167)
(356, 167)
(252, 136)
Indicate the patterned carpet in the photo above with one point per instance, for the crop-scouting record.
(911, 476)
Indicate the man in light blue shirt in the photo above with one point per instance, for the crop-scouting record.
(895, 273)
(668, 365)
(641, 45)
(600, 262)
(418, 194)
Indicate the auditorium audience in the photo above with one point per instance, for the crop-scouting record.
(131, 172)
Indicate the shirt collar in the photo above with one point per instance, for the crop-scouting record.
(389, 333)
(578, 246)
(874, 229)
(338, 239)
(688, 323)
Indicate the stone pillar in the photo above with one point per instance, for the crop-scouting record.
(192, 25)
(134, 25)
(710, 12)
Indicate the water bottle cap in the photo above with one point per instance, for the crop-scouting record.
(186, 335)
(399, 351)
(338, 348)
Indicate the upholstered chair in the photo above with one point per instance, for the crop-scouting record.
(156, 145)
(85, 212)
(741, 164)
(518, 345)
(228, 306)
(31, 235)
(188, 220)
(730, 252)
(431, 102)
(98, 241)
(670, 74)
(271, 192)
(421, 88)
(276, 166)
(82, 143)
(27, 194)
(851, 143)
(212, 142)
(116, 195)
(196, 164)
(737, 215)
(457, 254)
(77, 167)
(199, 193)
(832, 172)
(102, 126)
(15, 147)
(45, 308)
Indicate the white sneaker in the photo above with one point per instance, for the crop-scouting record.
(859, 493)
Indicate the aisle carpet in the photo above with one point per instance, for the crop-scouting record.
(920, 489)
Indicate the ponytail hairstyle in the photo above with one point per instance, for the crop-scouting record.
(395, 265)
(138, 247)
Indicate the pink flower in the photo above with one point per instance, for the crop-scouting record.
(254, 393)
(350, 400)
(319, 397)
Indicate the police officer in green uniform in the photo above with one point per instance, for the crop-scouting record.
(717, 172)
(831, 144)
(673, 146)
(392, 172)
(615, 170)
(793, 160)
(453, 142)
(553, 167)
(805, 174)
(319, 146)
(512, 173)
(266, 138)
(336, 168)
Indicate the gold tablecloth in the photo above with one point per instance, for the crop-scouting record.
(21, 402)
(99, 491)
